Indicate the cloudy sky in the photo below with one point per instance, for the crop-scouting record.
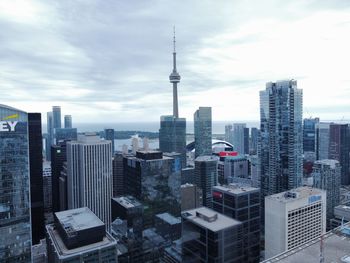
(109, 60)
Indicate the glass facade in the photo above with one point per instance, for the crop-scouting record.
(309, 134)
(172, 136)
(203, 131)
(15, 224)
(281, 144)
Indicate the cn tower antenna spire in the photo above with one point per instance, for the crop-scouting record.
(175, 78)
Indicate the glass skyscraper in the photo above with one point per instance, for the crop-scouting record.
(15, 228)
(309, 134)
(281, 145)
(172, 136)
(203, 131)
(56, 114)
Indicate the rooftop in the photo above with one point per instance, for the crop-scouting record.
(207, 158)
(295, 194)
(127, 201)
(235, 188)
(78, 219)
(209, 219)
(336, 245)
(170, 219)
(331, 163)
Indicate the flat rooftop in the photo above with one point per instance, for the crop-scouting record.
(331, 163)
(207, 158)
(64, 252)
(336, 246)
(127, 201)
(170, 219)
(216, 220)
(78, 219)
(295, 194)
(236, 189)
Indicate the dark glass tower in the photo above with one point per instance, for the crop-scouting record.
(309, 134)
(109, 135)
(56, 114)
(58, 157)
(36, 177)
(15, 227)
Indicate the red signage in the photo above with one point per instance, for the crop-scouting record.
(223, 154)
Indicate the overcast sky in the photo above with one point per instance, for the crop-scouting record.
(110, 60)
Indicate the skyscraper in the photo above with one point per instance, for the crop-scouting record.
(36, 177)
(322, 140)
(205, 176)
(254, 138)
(309, 134)
(203, 131)
(229, 133)
(15, 227)
(68, 121)
(281, 145)
(241, 138)
(89, 175)
(50, 136)
(327, 176)
(56, 115)
(339, 148)
(109, 135)
(172, 132)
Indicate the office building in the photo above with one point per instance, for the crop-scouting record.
(128, 208)
(229, 133)
(155, 180)
(333, 247)
(243, 204)
(56, 117)
(89, 175)
(322, 140)
(109, 135)
(309, 134)
(68, 121)
(341, 216)
(209, 236)
(36, 177)
(339, 148)
(172, 136)
(118, 174)
(203, 131)
(15, 222)
(254, 170)
(191, 197)
(47, 187)
(205, 176)
(63, 188)
(281, 144)
(58, 157)
(254, 139)
(50, 136)
(293, 218)
(187, 175)
(65, 134)
(168, 226)
(78, 235)
(241, 138)
(326, 175)
(232, 166)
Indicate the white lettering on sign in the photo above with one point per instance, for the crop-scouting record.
(8, 126)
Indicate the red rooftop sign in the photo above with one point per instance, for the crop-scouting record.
(222, 154)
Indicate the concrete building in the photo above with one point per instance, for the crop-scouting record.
(232, 166)
(335, 244)
(241, 138)
(341, 215)
(293, 218)
(206, 176)
(78, 235)
(243, 204)
(281, 144)
(89, 175)
(209, 236)
(327, 176)
(203, 131)
(191, 197)
(15, 217)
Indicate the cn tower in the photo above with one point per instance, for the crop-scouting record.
(175, 78)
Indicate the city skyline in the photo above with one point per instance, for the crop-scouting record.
(90, 50)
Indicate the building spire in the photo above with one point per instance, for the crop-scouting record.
(175, 78)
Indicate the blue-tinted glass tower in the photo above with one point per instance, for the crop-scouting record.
(309, 134)
(15, 227)
(203, 131)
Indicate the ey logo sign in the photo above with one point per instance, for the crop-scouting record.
(8, 126)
